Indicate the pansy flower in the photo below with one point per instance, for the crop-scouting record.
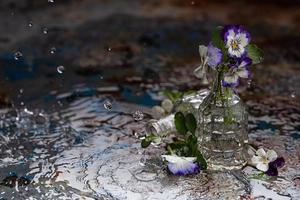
(262, 159)
(211, 56)
(236, 39)
(181, 165)
(237, 71)
(274, 166)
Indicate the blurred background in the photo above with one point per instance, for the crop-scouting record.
(48, 47)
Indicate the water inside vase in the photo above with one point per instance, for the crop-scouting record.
(223, 134)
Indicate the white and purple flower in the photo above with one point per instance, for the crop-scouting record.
(267, 162)
(236, 39)
(210, 56)
(240, 70)
(181, 166)
(262, 159)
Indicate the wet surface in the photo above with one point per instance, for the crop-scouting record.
(72, 100)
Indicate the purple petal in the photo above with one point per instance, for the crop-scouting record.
(278, 163)
(226, 29)
(245, 61)
(192, 169)
(272, 171)
(214, 56)
(230, 84)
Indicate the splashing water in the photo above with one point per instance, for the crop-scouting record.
(18, 55)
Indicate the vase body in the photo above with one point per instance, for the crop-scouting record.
(222, 129)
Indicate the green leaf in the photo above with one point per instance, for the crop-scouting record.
(218, 41)
(179, 121)
(145, 143)
(201, 161)
(173, 96)
(255, 53)
(190, 123)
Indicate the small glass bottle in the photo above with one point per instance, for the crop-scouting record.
(222, 129)
(188, 104)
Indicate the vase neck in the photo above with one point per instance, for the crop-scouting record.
(220, 92)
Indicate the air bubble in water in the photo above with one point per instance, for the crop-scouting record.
(18, 55)
(60, 69)
(138, 115)
(107, 105)
(45, 30)
(52, 50)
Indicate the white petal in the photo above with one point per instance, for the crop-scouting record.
(199, 72)
(177, 159)
(157, 112)
(231, 78)
(242, 72)
(244, 41)
(256, 160)
(262, 167)
(261, 152)
(271, 155)
(167, 105)
(202, 51)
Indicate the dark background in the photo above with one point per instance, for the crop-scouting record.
(129, 47)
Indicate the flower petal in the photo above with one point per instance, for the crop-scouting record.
(245, 62)
(243, 37)
(261, 152)
(256, 159)
(272, 171)
(200, 71)
(214, 56)
(262, 167)
(157, 112)
(243, 72)
(183, 168)
(278, 163)
(167, 105)
(271, 155)
(202, 51)
(230, 80)
(177, 159)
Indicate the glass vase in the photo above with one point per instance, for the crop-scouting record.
(222, 130)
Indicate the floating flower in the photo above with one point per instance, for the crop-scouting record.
(231, 78)
(263, 159)
(210, 56)
(236, 39)
(274, 165)
(181, 165)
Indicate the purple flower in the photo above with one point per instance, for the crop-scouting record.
(214, 56)
(181, 166)
(236, 38)
(240, 70)
(274, 166)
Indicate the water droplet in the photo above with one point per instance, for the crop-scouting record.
(52, 50)
(18, 55)
(45, 30)
(293, 95)
(21, 91)
(60, 69)
(51, 1)
(107, 105)
(109, 49)
(101, 77)
(138, 115)
(30, 24)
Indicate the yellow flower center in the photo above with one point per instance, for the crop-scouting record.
(234, 44)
